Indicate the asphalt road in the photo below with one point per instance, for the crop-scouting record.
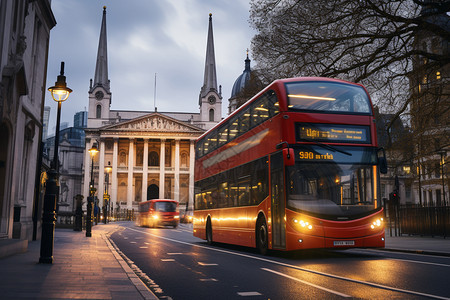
(176, 265)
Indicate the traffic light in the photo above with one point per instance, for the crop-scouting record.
(394, 198)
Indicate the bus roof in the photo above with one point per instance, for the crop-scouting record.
(277, 82)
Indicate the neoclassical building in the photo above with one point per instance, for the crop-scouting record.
(151, 153)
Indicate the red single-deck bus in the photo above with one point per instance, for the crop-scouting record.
(157, 212)
(295, 167)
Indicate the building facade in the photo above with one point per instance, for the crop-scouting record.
(430, 111)
(24, 38)
(151, 153)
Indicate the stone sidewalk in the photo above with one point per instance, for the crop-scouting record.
(83, 268)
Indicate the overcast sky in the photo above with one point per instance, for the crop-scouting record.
(166, 37)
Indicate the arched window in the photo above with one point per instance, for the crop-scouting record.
(211, 115)
(99, 111)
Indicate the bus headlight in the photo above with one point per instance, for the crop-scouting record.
(176, 217)
(155, 217)
(302, 223)
(377, 223)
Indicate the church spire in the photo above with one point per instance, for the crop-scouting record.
(101, 67)
(210, 78)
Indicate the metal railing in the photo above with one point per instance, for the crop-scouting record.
(418, 220)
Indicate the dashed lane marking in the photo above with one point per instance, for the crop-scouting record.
(248, 294)
(206, 264)
(208, 279)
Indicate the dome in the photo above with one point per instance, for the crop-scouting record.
(242, 80)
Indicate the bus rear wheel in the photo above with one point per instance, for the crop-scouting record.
(262, 240)
(209, 239)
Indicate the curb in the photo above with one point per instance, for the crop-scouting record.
(423, 252)
(145, 292)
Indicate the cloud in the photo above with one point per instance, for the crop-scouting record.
(147, 37)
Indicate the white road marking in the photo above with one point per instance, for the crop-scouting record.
(308, 283)
(208, 279)
(167, 259)
(247, 294)
(175, 253)
(293, 266)
(206, 264)
(143, 247)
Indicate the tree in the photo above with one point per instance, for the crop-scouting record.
(367, 41)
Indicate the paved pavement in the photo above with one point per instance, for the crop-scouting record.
(91, 268)
(83, 268)
(417, 244)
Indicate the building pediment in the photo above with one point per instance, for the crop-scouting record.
(153, 122)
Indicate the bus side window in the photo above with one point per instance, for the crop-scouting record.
(244, 122)
(244, 191)
(260, 112)
(212, 142)
(233, 129)
(259, 185)
(273, 103)
(222, 136)
(223, 195)
(200, 145)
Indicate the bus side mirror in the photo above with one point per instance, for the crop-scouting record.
(382, 162)
(288, 155)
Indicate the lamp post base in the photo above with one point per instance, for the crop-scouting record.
(89, 217)
(49, 218)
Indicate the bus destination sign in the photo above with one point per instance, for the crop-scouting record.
(333, 133)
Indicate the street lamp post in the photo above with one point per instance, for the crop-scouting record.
(60, 92)
(442, 163)
(108, 169)
(93, 151)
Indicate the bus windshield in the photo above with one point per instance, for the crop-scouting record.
(165, 206)
(323, 96)
(333, 185)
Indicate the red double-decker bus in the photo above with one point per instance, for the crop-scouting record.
(295, 167)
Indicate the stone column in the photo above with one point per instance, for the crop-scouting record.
(191, 175)
(145, 171)
(162, 168)
(130, 174)
(177, 170)
(114, 173)
(101, 174)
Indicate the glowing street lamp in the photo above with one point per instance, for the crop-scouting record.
(60, 92)
(108, 169)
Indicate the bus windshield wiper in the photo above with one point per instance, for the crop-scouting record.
(334, 149)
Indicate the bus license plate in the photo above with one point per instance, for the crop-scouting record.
(344, 243)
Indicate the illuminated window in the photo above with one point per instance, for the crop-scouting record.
(407, 169)
(438, 75)
(425, 79)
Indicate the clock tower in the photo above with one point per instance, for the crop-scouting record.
(99, 89)
(210, 98)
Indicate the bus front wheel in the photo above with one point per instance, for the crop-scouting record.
(209, 238)
(262, 236)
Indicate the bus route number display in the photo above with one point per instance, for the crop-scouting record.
(309, 155)
(335, 133)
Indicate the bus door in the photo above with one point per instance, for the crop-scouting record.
(277, 201)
